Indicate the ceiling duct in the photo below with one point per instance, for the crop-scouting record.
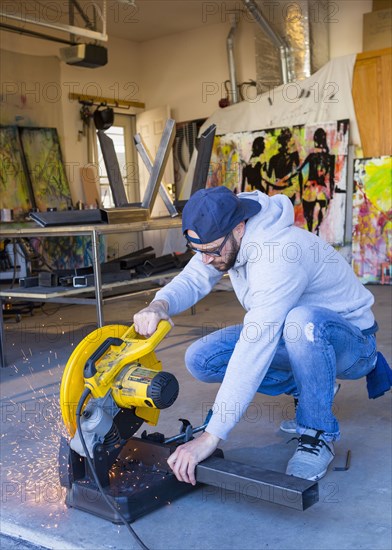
(233, 96)
(276, 39)
(303, 28)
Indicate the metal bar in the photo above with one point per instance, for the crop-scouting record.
(227, 475)
(159, 166)
(19, 30)
(137, 138)
(85, 18)
(148, 164)
(112, 169)
(32, 229)
(97, 278)
(71, 18)
(257, 483)
(204, 151)
(58, 26)
(164, 194)
(347, 465)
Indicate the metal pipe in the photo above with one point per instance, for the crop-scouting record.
(275, 38)
(284, 64)
(230, 55)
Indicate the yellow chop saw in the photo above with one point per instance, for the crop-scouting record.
(112, 383)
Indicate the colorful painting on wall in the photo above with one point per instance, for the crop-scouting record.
(42, 151)
(14, 185)
(307, 163)
(372, 219)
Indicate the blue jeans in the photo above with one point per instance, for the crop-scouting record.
(317, 346)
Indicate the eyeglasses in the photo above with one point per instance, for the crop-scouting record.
(216, 253)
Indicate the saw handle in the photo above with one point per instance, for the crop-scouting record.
(89, 368)
(163, 328)
(145, 345)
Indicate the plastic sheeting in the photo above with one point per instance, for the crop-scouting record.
(324, 96)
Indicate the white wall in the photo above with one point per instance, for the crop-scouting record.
(120, 78)
(346, 25)
(187, 70)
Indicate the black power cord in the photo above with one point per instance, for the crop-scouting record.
(82, 400)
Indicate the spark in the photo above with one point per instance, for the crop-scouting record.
(33, 460)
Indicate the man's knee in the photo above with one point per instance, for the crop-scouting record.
(195, 361)
(301, 323)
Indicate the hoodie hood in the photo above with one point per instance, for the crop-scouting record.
(275, 216)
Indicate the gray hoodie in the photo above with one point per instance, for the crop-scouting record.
(278, 267)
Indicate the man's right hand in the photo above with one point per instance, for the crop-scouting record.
(147, 319)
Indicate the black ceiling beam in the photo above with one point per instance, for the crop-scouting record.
(19, 30)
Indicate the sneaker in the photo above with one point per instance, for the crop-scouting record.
(290, 426)
(312, 456)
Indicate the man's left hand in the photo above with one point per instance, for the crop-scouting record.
(186, 457)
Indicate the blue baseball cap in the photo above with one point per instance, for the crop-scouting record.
(212, 213)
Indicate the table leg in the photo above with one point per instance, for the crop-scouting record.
(97, 277)
(2, 336)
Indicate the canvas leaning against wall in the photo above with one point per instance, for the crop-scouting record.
(308, 163)
(42, 151)
(14, 186)
(372, 219)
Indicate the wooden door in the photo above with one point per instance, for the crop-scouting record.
(373, 101)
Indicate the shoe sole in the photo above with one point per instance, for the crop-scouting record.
(288, 430)
(318, 476)
(314, 478)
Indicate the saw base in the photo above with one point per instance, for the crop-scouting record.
(140, 481)
(132, 502)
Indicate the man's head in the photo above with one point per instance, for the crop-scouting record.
(213, 222)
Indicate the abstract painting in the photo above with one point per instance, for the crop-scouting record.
(68, 252)
(14, 186)
(308, 163)
(42, 151)
(372, 219)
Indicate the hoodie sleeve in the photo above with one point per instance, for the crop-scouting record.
(194, 282)
(274, 293)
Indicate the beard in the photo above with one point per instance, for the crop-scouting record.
(227, 260)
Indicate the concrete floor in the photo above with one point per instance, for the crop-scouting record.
(354, 510)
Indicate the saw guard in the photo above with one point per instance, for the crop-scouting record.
(72, 382)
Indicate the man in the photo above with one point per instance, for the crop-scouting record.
(308, 320)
